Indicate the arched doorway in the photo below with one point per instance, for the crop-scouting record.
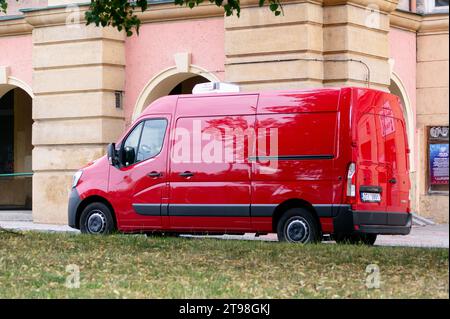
(170, 81)
(397, 87)
(15, 148)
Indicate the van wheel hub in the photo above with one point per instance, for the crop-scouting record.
(297, 231)
(96, 223)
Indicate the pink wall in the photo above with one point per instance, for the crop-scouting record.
(16, 52)
(152, 52)
(403, 51)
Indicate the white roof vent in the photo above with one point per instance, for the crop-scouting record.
(215, 87)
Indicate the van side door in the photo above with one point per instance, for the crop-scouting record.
(209, 167)
(139, 186)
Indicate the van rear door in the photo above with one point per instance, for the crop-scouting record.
(397, 192)
(371, 168)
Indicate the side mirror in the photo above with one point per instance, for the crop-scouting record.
(129, 155)
(112, 154)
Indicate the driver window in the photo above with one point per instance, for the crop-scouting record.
(133, 138)
(152, 139)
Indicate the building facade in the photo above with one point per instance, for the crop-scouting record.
(67, 89)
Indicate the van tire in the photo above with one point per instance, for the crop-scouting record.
(356, 239)
(298, 225)
(97, 219)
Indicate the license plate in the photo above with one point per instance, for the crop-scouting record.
(371, 197)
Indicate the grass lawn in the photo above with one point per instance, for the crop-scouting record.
(125, 266)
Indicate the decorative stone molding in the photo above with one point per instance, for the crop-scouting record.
(55, 16)
(405, 20)
(182, 61)
(170, 12)
(435, 23)
(163, 82)
(8, 82)
(383, 5)
(15, 26)
(4, 74)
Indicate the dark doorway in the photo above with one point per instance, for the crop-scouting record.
(186, 86)
(15, 150)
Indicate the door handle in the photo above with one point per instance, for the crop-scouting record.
(392, 181)
(154, 174)
(187, 174)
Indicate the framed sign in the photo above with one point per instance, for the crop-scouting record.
(439, 164)
(438, 159)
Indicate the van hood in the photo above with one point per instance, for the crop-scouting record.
(98, 160)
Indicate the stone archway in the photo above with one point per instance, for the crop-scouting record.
(15, 145)
(166, 81)
(397, 87)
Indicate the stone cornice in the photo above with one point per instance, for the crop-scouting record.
(382, 5)
(54, 16)
(16, 26)
(169, 12)
(405, 20)
(435, 23)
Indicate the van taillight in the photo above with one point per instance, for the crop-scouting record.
(351, 180)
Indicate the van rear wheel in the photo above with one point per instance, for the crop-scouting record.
(356, 239)
(96, 219)
(298, 225)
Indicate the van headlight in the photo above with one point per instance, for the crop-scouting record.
(76, 178)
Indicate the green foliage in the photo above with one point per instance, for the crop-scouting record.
(3, 6)
(121, 13)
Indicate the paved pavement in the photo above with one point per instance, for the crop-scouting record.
(26, 226)
(420, 236)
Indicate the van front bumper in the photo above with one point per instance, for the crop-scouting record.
(384, 223)
(74, 202)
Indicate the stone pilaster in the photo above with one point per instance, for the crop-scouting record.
(357, 30)
(315, 43)
(432, 104)
(267, 52)
(76, 71)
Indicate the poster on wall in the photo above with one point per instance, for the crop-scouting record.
(439, 164)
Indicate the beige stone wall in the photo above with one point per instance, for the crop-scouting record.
(311, 45)
(258, 36)
(432, 104)
(76, 71)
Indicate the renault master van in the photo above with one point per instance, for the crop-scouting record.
(300, 163)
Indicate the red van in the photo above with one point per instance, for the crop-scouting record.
(300, 163)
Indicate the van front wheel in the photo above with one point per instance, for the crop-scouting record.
(297, 225)
(96, 219)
